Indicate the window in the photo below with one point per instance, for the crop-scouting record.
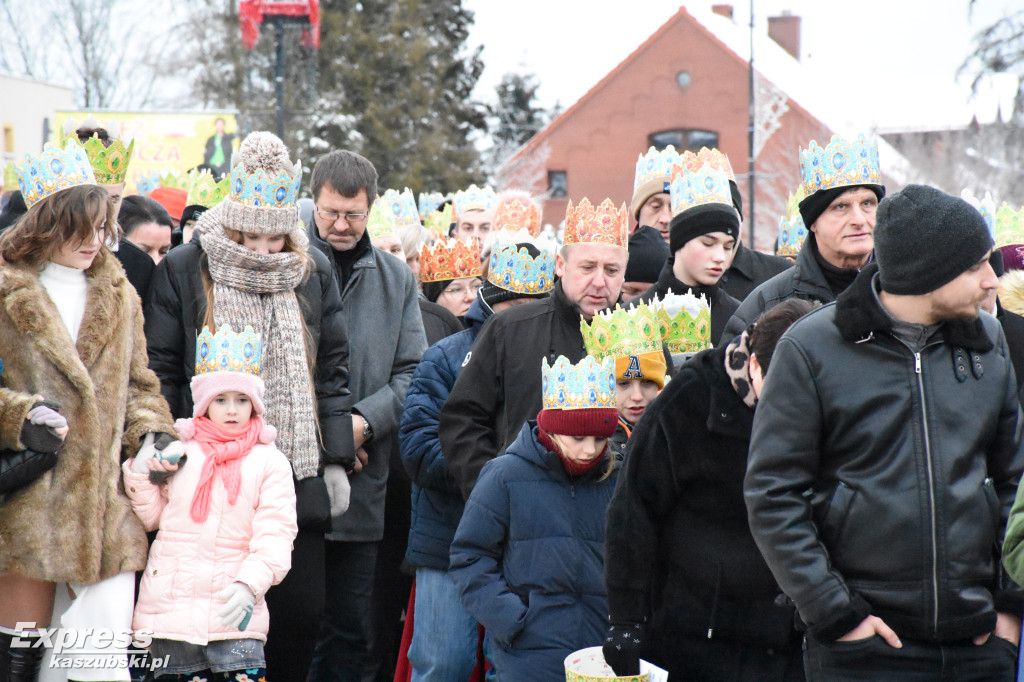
(558, 184)
(683, 139)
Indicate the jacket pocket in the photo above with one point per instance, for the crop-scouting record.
(834, 516)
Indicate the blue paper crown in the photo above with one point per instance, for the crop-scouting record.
(403, 206)
(147, 182)
(475, 199)
(429, 202)
(227, 351)
(792, 234)
(259, 189)
(53, 170)
(584, 386)
(514, 269)
(697, 188)
(655, 165)
(840, 164)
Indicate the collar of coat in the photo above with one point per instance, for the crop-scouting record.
(859, 315)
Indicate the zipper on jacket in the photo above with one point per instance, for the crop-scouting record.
(931, 490)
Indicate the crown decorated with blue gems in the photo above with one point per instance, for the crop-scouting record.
(227, 351)
(655, 165)
(429, 201)
(684, 322)
(474, 199)
(709, 185)
(986, 206)
(514, 269)
(53, 170)
(586, 385)
(792, 231)
(204, 190)
(620, 333)
(265, 177)
(147, 182)
(839, 164)
(403, 206)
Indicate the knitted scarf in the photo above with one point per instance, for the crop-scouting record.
(572, 468)
(253, 289)
(737, 366)
(224, 451)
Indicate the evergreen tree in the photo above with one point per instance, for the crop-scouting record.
(515, 118)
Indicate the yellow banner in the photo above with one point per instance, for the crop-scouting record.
(164, 142)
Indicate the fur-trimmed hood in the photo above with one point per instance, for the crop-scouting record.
(1011, 291)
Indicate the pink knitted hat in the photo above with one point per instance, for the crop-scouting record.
(206, 387)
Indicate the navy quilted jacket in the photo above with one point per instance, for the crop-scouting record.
(436, 501)
(528, 559)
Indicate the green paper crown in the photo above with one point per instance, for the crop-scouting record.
(684, 322)
(621, 333)
(109, 164)
(174, 179)
(1009, 226)
(10, 177)
(204, 190)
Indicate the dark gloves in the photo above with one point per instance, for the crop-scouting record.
(39, 430)
(622, 648)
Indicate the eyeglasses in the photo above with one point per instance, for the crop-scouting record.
(350, 218)
(460, 290)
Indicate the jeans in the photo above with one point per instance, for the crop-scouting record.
(873, 659)
(444, 636)
(343, 647)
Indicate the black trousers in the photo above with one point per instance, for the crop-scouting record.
(698, 659)
(296, 610)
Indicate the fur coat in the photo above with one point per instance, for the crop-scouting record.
(75, 523)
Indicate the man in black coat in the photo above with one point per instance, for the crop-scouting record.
(749, 270)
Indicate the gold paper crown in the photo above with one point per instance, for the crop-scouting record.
(109, 161)
(621, 333)
(705, 158)
(1009, 226)
(655, 165)
(605, 224)
(841, 163)
(449, 259)
(516, 214)
(227, 351)
(684, 322)
(53, 170)
(792, 231)
(382, 221)
(204, 190)
(514, 269)
(587, 385)
(439, 222)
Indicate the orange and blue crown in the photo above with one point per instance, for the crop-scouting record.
(707, 158)
(655, 165)
(429, 201)
(604, 224)
(514, 269)
(53, 170)
(708, 185)
(261, 190)
(841, 163)
(586, 385)
(474, 198)
(227, 351)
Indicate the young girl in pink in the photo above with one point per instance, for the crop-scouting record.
(226, 522)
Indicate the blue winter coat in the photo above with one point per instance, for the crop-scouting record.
(534, 577)
(436, 501)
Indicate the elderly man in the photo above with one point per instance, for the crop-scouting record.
(885, 455)
(500, 386)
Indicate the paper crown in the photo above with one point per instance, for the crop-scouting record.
(986, 206)
(403, 207)
(475, 199)
(429, 201)
(53, 170)
(145, 183)
(1009, 226)
(602, 225)
(109, 163)
(449, 259)
(517, 214)
(227, 351)
(10, 177)
(840, 164)
(792, 231)
(267, 183)
(684, 322)
(707, 185)
(655, 165)
(586, 385)
(707, 158)
(204, 190)
(620, 333)
(439, 222)
(514, 269)
(174, 180)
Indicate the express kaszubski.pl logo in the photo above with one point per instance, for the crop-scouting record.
(90, 647)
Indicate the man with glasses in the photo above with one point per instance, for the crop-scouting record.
(386, 341)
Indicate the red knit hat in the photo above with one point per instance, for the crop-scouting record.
(599, 422)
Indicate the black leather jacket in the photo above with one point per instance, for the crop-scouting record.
(879, 479)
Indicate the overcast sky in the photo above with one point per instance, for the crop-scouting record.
(889, 63)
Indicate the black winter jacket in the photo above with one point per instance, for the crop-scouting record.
(749, 270)
(880, 480)
(678, 547)
(500, 386)
(722, 304)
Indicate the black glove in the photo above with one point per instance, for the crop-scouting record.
(161, 441)
(622, 648)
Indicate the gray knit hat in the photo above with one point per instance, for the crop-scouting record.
(925, 238)
(264, 188)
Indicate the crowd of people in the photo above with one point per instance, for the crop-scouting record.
(371, 438)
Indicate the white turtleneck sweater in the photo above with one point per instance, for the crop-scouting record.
(67, 289)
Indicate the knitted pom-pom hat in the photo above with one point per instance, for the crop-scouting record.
(264, 188)
(206, 387)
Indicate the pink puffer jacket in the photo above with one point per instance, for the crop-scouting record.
(189, 563)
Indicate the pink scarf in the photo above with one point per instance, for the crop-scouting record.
(224, 451)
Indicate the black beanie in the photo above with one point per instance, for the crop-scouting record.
(647, 254)
(492, 293)
(925, 238)
(737, 198)
(433, 290)
(192, 212)
(693, 222)
(813, 206)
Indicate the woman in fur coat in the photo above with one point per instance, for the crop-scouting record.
(71, 333)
